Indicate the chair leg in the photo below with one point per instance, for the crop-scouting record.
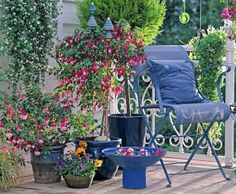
(152, 142)
(193, 153)
(166, 173)
(216, 158)
(205, 134)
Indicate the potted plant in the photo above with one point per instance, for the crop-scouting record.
(89, 65)
(77, 167)
(129, 51)
(85, 73)
(41, 125)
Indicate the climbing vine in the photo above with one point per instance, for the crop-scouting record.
(28, 29)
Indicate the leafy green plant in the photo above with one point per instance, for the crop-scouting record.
(28, 29)
(146, 16)
(209, 51)
(9, 170)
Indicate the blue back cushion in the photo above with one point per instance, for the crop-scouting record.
(176, 82)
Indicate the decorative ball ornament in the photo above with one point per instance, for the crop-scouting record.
(184, 18)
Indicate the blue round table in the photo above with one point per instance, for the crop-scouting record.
(134, 167)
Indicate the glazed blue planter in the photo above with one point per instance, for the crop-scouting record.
(134, 167)
(131, 129)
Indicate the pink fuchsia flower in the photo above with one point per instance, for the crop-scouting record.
(40, 140)
(23, 115)
(9, 134)
(117, 90)
(46, 110)
(46, 121)
(69, 41)
(1, 124)
(37, 153)
(4, 148)
(19, 128)
(10, 112)
(225, 14)
(233, 12)
(65, 121)
(94, 68)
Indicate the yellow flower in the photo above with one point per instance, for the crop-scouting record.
(98, 163)
(83, 144)
(80, 150)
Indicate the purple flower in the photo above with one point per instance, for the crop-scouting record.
(87, 157)
(82, 165)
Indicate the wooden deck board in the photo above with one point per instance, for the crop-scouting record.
(210, 182)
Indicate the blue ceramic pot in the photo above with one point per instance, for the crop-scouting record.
(131, 129)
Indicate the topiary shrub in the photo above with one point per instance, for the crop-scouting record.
(146, 16)
(209, 51)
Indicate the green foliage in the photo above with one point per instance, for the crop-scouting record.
(28, 28)
(209, 52)
(175, 33)
(146, 16)
(9, 170)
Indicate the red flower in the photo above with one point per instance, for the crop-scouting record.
(23, 115)
(10, 112)
(40, 140)
(37, 152)
(225, 14)
(9, 134)
(1, 124)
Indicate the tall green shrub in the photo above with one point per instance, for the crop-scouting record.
(209, 52)
(146, 16)
(28, 29)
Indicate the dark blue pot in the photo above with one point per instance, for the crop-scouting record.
(44, 165)
(131, 129)
(108, 168)
(134, 167)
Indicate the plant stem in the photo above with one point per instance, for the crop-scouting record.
(127, 96)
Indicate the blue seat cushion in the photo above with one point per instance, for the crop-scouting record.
(176, 82)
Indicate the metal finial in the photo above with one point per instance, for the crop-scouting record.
(108, 26)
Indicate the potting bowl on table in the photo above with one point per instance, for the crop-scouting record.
(134, 166)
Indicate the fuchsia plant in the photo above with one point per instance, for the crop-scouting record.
(34, 122)
(228, 14)
(89, 65)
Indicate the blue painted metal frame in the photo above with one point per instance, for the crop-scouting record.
(141, 70)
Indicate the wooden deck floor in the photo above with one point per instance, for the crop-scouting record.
(199, 183)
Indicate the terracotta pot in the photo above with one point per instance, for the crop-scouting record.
(77, 181)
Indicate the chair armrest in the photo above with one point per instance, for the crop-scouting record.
(218, 81)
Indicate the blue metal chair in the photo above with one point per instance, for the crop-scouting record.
(168, 66)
